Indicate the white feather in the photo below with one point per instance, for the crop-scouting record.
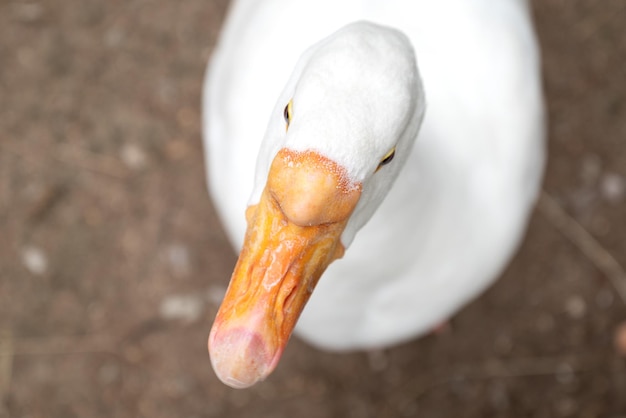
(459, 207)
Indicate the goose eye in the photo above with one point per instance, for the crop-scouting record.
(287, 113)
(387, 158)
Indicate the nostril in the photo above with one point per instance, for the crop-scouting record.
(290, 297)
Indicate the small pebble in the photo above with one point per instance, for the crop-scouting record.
(35, 260)
(27, 12)
(133, 156)
(179, 260)
(613, 187)
(113, 37)
(187, 308)
(576, 307)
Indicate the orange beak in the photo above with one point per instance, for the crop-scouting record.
(293, 235)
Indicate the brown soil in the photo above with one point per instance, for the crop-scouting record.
(112, 260)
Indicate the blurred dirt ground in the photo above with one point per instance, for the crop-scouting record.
(112, 261)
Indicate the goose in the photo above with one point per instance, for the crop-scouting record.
(373, 161)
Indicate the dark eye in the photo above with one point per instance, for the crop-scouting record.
(287, 113)
(387, 158)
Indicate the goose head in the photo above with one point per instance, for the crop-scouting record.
(336, 140)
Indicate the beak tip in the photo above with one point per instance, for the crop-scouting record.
(239, 357)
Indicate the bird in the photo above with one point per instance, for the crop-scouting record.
(375, 163)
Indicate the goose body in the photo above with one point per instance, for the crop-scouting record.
(465, 126)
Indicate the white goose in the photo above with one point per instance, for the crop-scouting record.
(346, 127)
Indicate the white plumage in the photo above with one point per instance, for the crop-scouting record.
(459, 206)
